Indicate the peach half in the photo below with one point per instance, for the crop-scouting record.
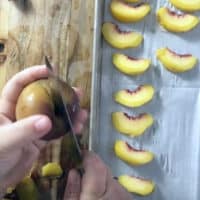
(137, 185)
(131, 155)
(174, 22)
(27, 189)
(185, 5)
(124, 12)
(176, 62)
(120, 39)
(135, 98)
(131, 125)
(129, 65)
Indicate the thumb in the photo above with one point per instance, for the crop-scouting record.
(18, 134)
(94, 188)
(73, 188)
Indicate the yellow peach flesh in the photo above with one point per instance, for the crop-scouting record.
(176, 62)
(129, 125)
(120, 39)
(130, 155)
(126, 13)
(185, 5)
(174, 22)
(136, 185)
(129, 65)
(135, 98)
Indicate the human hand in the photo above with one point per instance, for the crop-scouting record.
(97, 183)
(20, 142)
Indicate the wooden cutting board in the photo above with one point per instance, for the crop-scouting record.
(60, 29)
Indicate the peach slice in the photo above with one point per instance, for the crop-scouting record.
(52, 170)
(186, 5)
(137, 185)
(127, 13)
(135, 98)
(174, 22)
(120, 39)
(131, 155)
(129, 65)
(131, 125)
(176, 62)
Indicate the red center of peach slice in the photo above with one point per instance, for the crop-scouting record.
(135, 6)
(173, 13)
(130, 148)
(120, 31)
(178, 55)
(138, 5)
(134, 91)
(134, 117)
(140, 178)
(131, 58)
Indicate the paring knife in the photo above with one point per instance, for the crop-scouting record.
(66, 115)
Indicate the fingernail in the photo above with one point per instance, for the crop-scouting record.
(43, 125)
(85, 115)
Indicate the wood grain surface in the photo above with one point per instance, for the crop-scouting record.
(60, 29)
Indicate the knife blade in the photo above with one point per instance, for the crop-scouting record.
(66, 115)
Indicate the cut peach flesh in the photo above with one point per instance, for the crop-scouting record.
(185, 5)
(135, 98)
(131, 155)
(126, 13)
(52, 170)
(176, 62)
(176, 22)
(136, 185)
(120, 39)
(130, 65)
(130, 125)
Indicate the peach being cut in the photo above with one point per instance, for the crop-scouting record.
(174, 22)
(185, 5)
(135, 98)
(120, 39)
(176, 62)
(131, 125)
(42, 97)
(131, 155)
(137, 185)
(129, 65)
(124, 12)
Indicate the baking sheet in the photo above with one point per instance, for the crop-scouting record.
(175, 136)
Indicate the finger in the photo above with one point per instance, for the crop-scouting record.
(82, 116)
(80, 121)
(78, 128)
(4, 120)
(40, 144)
(7, 109)
(79, 92)
(13, 88)
(94, 188)
(25, 163)
(73, 188)
(20, 133)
